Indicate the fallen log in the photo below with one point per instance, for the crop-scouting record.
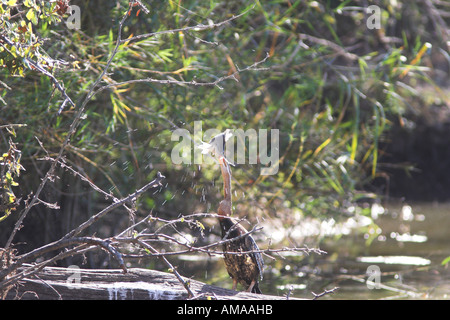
(104, 284)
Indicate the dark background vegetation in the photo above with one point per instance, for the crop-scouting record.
(362, 114)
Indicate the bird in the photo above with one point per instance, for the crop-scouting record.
(246, 267)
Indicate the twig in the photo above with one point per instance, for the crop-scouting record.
(33, 269)
(207, 295)
(185, 284)
(38, 67)
(5, 85)
(50, 287)
(141, 6)
(324, 42)
(361, 279)
(105, 244)
(62, 243)
(198, 27)
(316, 296)
(153, 184)
(191, 249)
(204, 249)
(233, 227)
(157, 236)
(83, 178)
(290, 290)
(13, 125)
(69, 239)
(192, 82)
(181, 219)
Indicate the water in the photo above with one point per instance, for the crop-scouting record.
(398, 257)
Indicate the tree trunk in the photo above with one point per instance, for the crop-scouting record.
(86, 284)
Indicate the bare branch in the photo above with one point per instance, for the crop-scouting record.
(198, 27)
(36, 66)
(153, 184)
(340, 50)
(171, 267)
(192, 82)
(325, 292)
(13, 125)
(62, 243)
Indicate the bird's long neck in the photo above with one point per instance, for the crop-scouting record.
(226, 176)
(225, 205)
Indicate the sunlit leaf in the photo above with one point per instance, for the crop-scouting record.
(445, 261)
(32, 16)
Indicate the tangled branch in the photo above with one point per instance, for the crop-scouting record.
(145, 242)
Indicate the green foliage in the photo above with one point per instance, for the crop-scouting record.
(19, 40)
(10, 168)
(445, 261)
(331, 86)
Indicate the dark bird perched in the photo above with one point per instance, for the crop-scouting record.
(243, 268)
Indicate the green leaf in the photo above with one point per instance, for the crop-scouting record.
(200, 225)
(11, 197)
(7, 213)
(445, 261)
(32, 16)
(8, 177)
(166, 55)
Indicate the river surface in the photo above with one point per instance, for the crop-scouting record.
(399, 256)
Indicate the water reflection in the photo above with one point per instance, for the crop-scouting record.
(406, 237)
(407, 242)
(404, 260)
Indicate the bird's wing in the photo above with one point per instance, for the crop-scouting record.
(256, 256)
